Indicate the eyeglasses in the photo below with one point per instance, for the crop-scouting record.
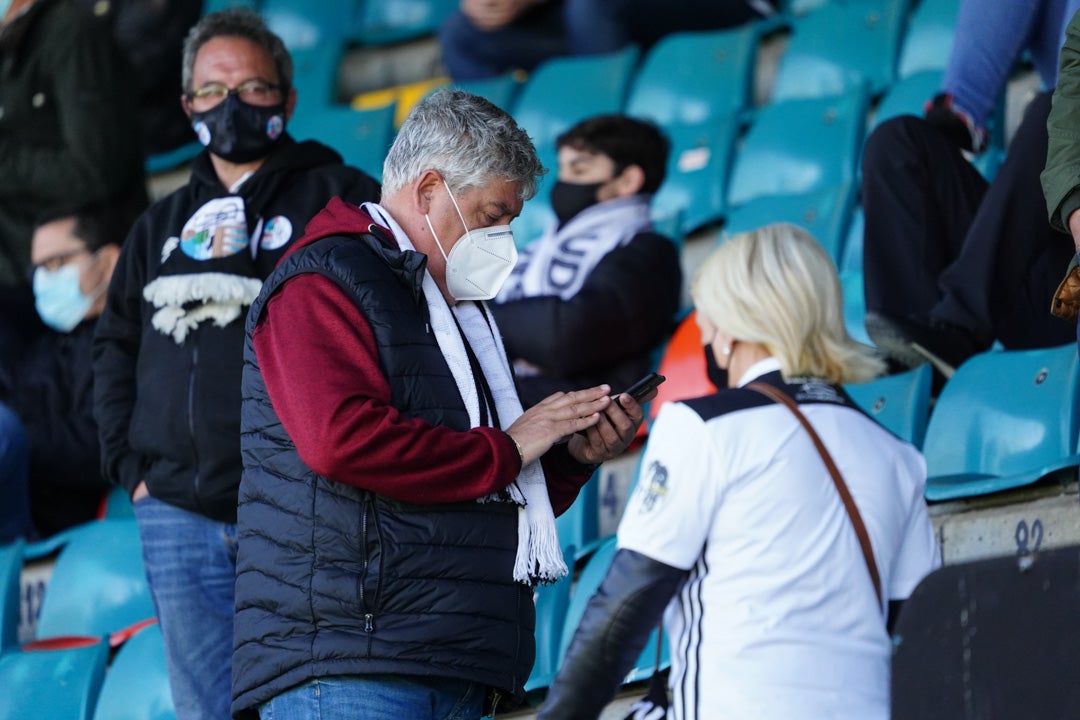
(254, 92)
(55, 262)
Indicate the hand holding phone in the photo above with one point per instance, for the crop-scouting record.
(644, 386)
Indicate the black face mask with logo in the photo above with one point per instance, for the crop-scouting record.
(238, 131)
(569, 199)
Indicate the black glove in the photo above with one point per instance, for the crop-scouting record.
(954, 123)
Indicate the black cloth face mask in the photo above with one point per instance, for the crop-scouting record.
(238, 131)
(569, 199)
(718, 376)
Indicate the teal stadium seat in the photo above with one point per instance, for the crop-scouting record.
(98, 585)
(378, 22)
(314, 33)
(362, 137)
(579, 526)
(210, 6)
(908, 95)
(551, 606)
(11, 563)
(1005, 420)
(797, 147)
(841, 46)
(929, 37)
(561, 92)
(900, 402)
(501, 90)
(689, 78)
(694, 192)
(824, 213)
(851, 278)
(136, 686)
(53, 680)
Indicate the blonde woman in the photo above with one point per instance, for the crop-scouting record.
(774, 607)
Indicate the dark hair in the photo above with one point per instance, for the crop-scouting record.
(242, 23)
(627, 141)
(97, 225)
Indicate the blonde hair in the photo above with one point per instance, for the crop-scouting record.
(776, 286)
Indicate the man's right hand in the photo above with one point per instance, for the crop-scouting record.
(141, 491)
(1074, 228)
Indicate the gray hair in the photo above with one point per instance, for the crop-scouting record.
(467, 139)
(242, 23)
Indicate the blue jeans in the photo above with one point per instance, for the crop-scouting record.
(191, 568)
(14, 478)
(378, 697)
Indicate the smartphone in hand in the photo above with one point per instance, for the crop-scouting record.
(644, 386)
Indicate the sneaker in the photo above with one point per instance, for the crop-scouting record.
(912, 343)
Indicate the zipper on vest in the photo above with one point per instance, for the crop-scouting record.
(369, 618)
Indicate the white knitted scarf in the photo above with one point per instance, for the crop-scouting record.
(560, 262)
(539, 557)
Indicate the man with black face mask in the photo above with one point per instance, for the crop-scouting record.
(590, 301)
(168, 350)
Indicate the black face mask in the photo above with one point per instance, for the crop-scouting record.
(238, 131)
(569, 199)
(718, 376)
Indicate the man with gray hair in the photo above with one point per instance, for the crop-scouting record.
(168, 348)
(397, 506)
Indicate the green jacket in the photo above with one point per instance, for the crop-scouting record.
(1061, 177)
(69, 124)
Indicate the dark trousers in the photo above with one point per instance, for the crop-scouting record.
(943, 244)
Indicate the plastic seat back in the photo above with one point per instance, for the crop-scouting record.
(1004, 420)
(900, 402)
(98, 584)
(382, 23)
(53, 682)
(11, 563)
(362, 137)
(839, 47)
(501, 90)
(908, 95)
(929, 37)
(825, 214)
(694, 192)
(552, 602)
(691, 77)
(137, 684)
(800, 146)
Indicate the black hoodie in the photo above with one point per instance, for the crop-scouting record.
(169, 346)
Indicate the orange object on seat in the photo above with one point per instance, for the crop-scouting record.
(683, 364)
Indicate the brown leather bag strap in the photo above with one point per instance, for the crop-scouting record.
(838, 480)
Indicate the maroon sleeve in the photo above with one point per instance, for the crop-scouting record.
(320, 364)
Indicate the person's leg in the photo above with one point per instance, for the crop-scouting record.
(383, 697)
(1001, 283)
(191, 568)
(599, 26)
(469, 53)
(14, 478)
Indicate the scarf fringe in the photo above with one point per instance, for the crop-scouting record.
(542, 562)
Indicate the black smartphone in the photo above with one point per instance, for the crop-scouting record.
(643, 386)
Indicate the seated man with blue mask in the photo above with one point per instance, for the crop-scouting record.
(591, 300)
(48, 383)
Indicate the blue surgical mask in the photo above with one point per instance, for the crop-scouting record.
(4, 5)
(58, 298)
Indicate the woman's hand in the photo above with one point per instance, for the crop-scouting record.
(557, 417)
(493, 14)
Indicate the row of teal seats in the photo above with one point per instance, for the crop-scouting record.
(97, 652)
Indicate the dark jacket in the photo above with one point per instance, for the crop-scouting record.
(68, 114)
(51, 389)
(606, 333)
(169, 410)
(334, 579)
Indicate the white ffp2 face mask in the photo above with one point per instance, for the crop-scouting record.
(480, 261)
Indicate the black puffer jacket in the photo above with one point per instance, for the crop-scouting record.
(169, 409)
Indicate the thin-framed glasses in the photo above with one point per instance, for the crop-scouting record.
(253, 92)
